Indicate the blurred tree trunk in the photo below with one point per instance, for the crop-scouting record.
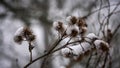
(46, 63)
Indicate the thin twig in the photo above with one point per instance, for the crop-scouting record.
(99, 12)
(47, 54)
(115, 31)
(99, 18)
(105, 60)
(98, 60)
(31, 56)
(86, 16)
(110, 14)
(30, 50)
(87, 64)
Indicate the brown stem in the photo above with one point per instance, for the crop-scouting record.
(105, 60)
(31, 56)
(36, 60)
(48, 53)
(87, 65)
(98, 60)
(30, 50)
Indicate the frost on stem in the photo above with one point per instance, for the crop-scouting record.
(91, 37)
(24, 34)
(67, 52)
(76, 52)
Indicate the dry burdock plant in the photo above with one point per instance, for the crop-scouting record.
(76, 48)
(25, 34)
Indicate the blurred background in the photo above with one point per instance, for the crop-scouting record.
(39, 16)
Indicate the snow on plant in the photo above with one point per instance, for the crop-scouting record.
(78, 45)
(84, 44)
(91, 37)
(72, 31)
(100, 44)
(25, 34)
